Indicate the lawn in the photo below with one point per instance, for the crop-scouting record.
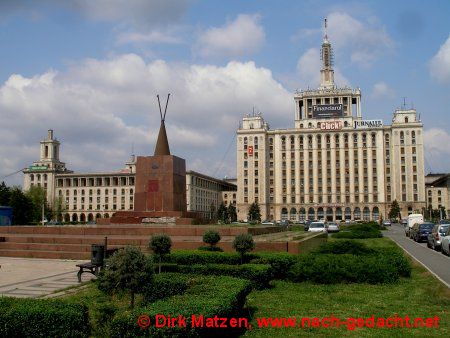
(420, 296)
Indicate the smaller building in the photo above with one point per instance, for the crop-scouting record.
(204, 193)
(437, 188)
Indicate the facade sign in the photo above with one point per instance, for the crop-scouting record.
(324, 111)
(362, 124)
(38, 167)
(332, 125)
(250, 150)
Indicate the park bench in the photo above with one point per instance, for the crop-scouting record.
(97, 262)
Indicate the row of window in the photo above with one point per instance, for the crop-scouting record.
(95, 181)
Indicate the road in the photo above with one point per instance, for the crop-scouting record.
(434, 261)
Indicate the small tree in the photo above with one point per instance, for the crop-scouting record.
(254, 213)
(243, 243)
(222, 213)
(22, 207)
(127, 270)
(211, 237)
(395, 210)
(232, 214)
(160, 245)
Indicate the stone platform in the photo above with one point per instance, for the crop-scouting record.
(74, 242)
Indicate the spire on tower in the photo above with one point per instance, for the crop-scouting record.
(325, 38)
(326, 55)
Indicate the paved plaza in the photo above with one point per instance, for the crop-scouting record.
(38, 278)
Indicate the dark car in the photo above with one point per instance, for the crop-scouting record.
(420, 231)
(436, 235)
(307, 223)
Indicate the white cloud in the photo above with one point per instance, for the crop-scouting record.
(381, 90)
(440, 63)
(99, 108)
(308, 67)
(437, 151)
(365, 41)
(154, 36)
(240, 37)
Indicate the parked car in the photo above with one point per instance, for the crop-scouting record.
(420, 231)
(410, 221)
(307, 223)
(435, 238)
(404, 221)
(317, 227)
(387, 222)
(445, 243)
(333, 227)
(267, 222)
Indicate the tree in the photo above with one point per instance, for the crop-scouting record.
(37, 197)
(395, 210)
(58, 209)
(232, 214)
(5, 193)
(254, 213)
(126, 270)
(211, 237)
(160, 245)
(243, 243)
(22, 207)
(222, 213)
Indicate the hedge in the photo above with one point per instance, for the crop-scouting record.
(42, 318)
(165, 285)
(280, 261)
(331, 269)
(359, 231)
(207, 295)
(344, 247)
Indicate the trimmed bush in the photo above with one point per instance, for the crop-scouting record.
(397, 259)
(331, 269)
(211, 237)
(164, 286)
(207, 295)
(42, 318)
(280, 262)
(210, 248)
(186, 257)
(243, 243)
(360, 231)
(160, 244)
(344, 247)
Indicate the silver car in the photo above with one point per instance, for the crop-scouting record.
(333, 227)
(435, 238)
(445, 243)
(317, 227)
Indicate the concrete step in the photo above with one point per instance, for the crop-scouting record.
(53, 247)
(45, 254)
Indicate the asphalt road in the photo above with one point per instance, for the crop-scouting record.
(434, 261)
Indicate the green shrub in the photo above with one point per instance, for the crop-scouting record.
(331, 268)
(160, 244)
(207, 295)
(344, 247)
(164, 286)
(243, 243)
(186, 257)
(211, 237)
(42, 318)
(210, 248)
(259, 274)
(397, 259)
(360, 231)
(280, 262)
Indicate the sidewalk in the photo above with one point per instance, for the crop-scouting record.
(33, 277)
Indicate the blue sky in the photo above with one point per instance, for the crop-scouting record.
(91, 69)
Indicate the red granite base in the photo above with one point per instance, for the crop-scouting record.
(136, 217)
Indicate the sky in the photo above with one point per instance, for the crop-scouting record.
(90, 70)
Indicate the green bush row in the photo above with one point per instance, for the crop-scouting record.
(279, 261)
(206, 295)
(344, 268)
(360, 231)
(344, 247)
(42, 318)
(164, 286)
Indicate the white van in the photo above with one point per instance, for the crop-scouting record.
(411, 220)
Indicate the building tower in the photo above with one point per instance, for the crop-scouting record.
(327, 72)
(42, 172)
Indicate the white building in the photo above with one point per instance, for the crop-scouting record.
(87, 196)
(332, 164)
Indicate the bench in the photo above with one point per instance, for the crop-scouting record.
(88, 267)
(93, 267)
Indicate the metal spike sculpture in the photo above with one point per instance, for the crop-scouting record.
(162, 144)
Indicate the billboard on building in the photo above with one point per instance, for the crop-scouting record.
(323, 111)
(361, 124)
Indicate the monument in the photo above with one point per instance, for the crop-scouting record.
(160, 185)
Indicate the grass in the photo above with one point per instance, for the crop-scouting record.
(419, 296)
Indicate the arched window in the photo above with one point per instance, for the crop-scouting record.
(245, 140)
(302, 214)
(338, 213)
(311, 214)
(406, 119)
(320, 213)
(366, 214)
(293, 214)
(284, 214)
(375, 214)
(357, 213)
(74, 218)
(348, 213)
(329, 214)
